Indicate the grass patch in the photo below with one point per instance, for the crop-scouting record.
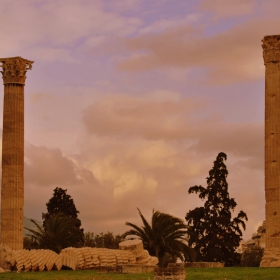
(73, 275)
(233, 273)
(227, 273)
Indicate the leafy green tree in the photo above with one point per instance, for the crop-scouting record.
(89, 239)
(252, 256)
(165, 236)
(62, 203)
(212, 231)
(59, 233)
(103, 240)
(110, 241)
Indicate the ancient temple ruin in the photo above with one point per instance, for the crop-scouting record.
(12, 191)
(129, 258)
(271, 56)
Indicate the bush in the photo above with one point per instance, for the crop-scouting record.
(252, 256)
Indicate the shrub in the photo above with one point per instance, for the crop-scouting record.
(252, 256)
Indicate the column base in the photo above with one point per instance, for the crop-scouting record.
(271, 258)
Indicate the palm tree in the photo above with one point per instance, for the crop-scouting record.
(35, 238)
(59, 232)
(165, 236)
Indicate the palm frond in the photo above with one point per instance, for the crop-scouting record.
(165, 234)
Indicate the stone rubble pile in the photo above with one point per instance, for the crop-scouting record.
(130, 252)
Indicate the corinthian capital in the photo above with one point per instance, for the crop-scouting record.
(271, 49)
(14, 69)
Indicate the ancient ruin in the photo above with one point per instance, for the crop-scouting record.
(12, 191)
(257, 239)
(174, 271)
(271, 56)
(77, 258)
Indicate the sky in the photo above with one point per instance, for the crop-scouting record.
(129, 103)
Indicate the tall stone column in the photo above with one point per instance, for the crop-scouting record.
(271, 56)
(12, 191)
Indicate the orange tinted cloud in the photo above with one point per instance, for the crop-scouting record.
(126, 115)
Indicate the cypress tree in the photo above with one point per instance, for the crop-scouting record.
(61, 203)
(213, 233)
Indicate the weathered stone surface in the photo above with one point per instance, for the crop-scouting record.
(271, 258)
(271, 55)
(14, 69)
(12, 191)
(2, 270)
(135, 246)
(6, 257)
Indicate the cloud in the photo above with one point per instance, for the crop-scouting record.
(183, 119)
(50, 30)
(124, 5)
(232, 56)
(159, 26)
(156, 174)
(50, 54)
(48, 167)
(139, 116)
(143, 151)
(144, 164)
(142, 135)
(243, 140)
(227, 8)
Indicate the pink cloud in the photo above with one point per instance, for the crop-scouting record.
(228, 57)
(227, 8)
(172, 120)
(48, 167)
(139, 116)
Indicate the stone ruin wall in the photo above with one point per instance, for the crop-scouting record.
(131, 252)
(172, 272)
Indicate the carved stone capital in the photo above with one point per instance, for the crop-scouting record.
(14, 69)
(271, 49)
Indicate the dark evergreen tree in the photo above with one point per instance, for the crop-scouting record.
(212, 231)
(62, 203)
(60, 233)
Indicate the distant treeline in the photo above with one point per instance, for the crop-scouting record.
(102, 240)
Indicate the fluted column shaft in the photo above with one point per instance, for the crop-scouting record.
(12, 191)
(271, 55)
